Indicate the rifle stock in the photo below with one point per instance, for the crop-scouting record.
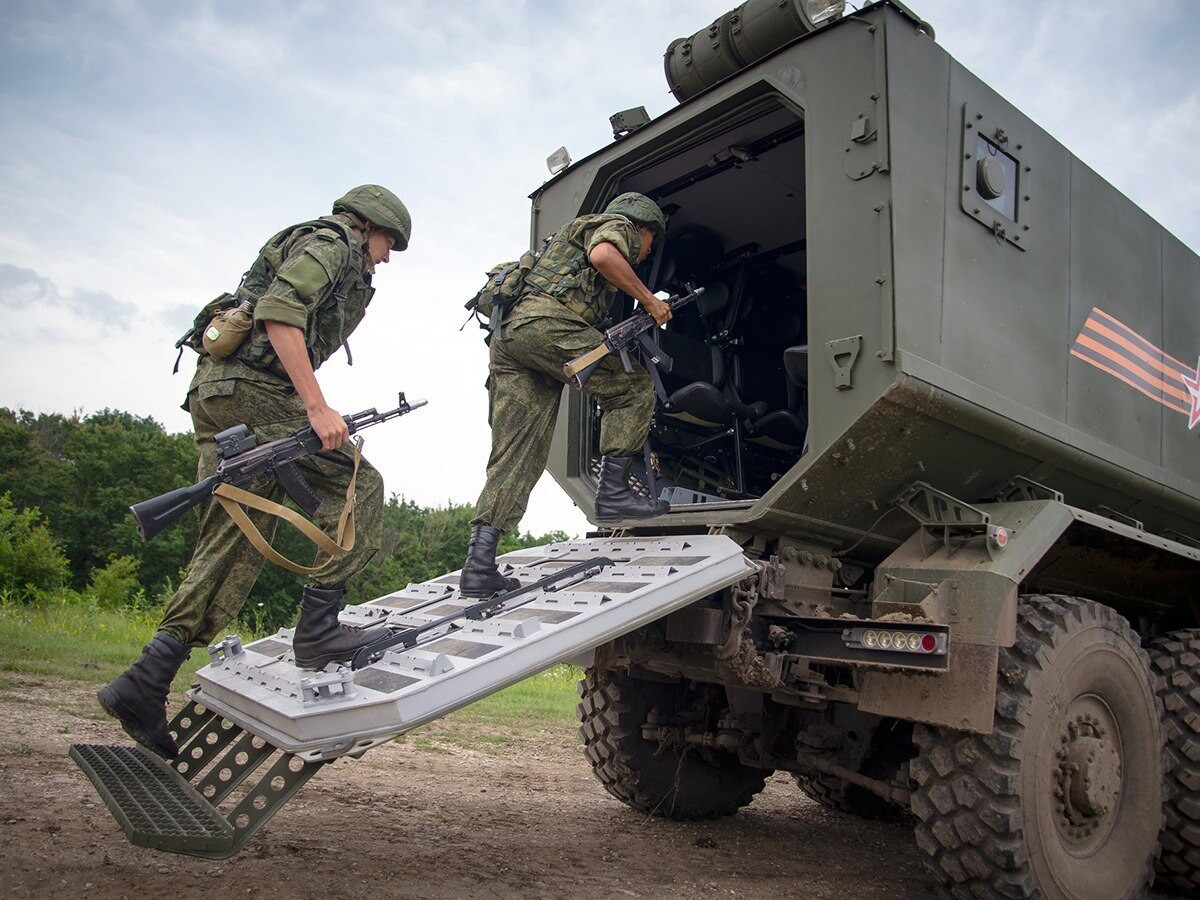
(158, 513)
(574, 370)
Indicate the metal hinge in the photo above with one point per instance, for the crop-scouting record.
(958, 521)
(1022, 488)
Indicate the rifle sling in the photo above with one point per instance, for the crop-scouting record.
(652, 360)
(232, 499)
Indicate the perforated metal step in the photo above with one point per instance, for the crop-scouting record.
(176, 806)
(155, 806)
(255, 712)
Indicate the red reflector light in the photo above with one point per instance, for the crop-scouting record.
(928, 642)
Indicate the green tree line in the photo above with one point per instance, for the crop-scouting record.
(66, 484)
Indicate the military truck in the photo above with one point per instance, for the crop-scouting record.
(930, 442)
(943, 387)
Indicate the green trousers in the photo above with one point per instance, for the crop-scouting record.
(224, 564)
(524, 389)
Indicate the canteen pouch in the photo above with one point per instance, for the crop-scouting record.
(227, 329)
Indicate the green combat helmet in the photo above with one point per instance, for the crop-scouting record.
(380, 207)
(640, 209)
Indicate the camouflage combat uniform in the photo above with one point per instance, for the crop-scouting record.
(554, 322)
(300, 269)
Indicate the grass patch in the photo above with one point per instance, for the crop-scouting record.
(545, 700)
(73, 642)
(70, 641)
(428, 746)
(76, 643)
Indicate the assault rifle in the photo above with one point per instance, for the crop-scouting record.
(623, 337)
(242, 460)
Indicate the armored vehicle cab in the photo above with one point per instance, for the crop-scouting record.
(941, 385)
(905, 276)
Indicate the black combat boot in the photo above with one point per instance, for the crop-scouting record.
(481, 577)
(138, 698)
(616, 501)
(320, 638)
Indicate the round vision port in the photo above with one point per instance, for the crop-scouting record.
(989, 178)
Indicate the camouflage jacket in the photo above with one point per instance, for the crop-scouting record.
(306, 276)
(563, 283)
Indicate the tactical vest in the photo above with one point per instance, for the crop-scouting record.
(337, 315)
(563, 270)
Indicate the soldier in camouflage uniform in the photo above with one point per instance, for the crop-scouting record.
(566, 294)
(309, 289)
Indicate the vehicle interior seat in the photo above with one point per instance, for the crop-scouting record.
(787, 429)
(699, 389)
(701, 398)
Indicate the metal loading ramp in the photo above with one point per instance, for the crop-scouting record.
(451, 651)
(257, 727)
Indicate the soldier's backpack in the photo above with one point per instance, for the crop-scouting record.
(505, 282)
(221, 326)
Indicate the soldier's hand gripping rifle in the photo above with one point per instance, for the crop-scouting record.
(624, 337)
(242, 460)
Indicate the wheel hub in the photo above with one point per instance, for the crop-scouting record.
(1088, 777)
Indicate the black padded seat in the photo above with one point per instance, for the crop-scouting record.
(696, 385)
(786, 429)
(699, 397)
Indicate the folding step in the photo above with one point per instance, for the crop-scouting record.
(446, 651)
(176, 805)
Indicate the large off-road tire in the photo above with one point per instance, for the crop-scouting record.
(683, 783)
(834, 793)
(1176, 657)
(1064, 798)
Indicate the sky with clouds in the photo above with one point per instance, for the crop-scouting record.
(147, 149)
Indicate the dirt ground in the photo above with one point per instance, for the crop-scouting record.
(447, 813)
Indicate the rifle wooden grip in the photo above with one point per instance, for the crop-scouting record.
(579, 363)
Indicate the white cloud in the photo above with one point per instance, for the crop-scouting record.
(29, 303)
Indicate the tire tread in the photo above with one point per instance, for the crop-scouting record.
(971, 821)
(613, 743)
(1176, 658)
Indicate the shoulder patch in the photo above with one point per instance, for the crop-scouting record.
(306, 274)
(326, 246)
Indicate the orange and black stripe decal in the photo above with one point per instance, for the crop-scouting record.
(1113, 347)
